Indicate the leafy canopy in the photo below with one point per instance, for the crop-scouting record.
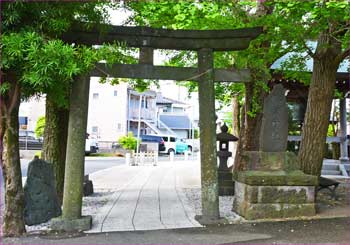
(43, 62)
(288, 25)
(39, 127)
(204, 15)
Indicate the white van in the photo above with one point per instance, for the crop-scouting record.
(174, 144)
(91, 145)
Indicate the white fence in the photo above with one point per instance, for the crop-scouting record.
(142, 158)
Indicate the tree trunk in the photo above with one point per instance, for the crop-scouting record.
(250, 125)
(55, 140)
(319, 103)
(11, 168)
(235, 116)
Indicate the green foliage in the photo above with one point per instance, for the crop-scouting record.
(50, 65)
(228, 119)
(204, 15)
(196, 133)
(332, 129)
(288, 27)
(128, 142)
(31, 47)
(52, 18)
(311, 19)
(39, 127)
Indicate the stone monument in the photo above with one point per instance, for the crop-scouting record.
(40, 196)
(271, 184)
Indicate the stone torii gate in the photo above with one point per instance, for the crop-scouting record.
(148, 39)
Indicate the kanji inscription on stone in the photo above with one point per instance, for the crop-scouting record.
(274, 128)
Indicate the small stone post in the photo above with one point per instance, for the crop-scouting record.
(128, 158)
(171, 156)
(344, 154)
(186, 155)
(209, 175)
(71, 218)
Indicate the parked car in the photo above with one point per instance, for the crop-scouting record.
(176, 145)
(154, 138)
(91, 145)
(30, 143)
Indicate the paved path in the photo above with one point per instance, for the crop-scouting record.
(146, 197)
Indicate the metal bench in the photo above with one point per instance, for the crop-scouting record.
(331, 185)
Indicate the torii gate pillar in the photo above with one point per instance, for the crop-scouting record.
(209, 175)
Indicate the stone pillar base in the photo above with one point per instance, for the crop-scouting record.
(204, 220)
(82, 224)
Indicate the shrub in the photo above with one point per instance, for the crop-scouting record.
(128, 142)
(39, 127)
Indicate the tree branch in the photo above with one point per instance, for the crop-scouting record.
(308, 50)
(343, 55)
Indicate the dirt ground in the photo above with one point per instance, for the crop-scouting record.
(327, 206)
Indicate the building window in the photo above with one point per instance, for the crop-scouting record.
(95, 96)
(115, 93)
(94, 129)
(144, 103)
(23, 122)
(119, 126)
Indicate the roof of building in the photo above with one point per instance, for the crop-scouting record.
(149, 93)
(299, 91)
(343, 67)
(161, 100)
(176, 121)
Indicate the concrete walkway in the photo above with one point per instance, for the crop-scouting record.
(146, 197)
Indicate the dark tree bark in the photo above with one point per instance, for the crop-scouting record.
(55, 140)
(319, 103)
(11, 166)
(250, 125)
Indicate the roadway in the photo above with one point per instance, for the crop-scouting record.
(94, 164)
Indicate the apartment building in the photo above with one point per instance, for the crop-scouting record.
(115, 110)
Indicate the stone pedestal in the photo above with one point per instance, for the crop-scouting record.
(273, 188)
(226, 184)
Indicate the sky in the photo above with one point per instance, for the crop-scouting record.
(168, 88)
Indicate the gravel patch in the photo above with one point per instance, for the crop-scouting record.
(91, 206)
(194, 200)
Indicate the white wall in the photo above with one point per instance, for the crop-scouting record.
(33, 109)
(107, 112)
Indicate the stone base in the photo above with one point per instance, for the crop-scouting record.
(82, 224)
(204, 220)
(272, 202)
(226, 184)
